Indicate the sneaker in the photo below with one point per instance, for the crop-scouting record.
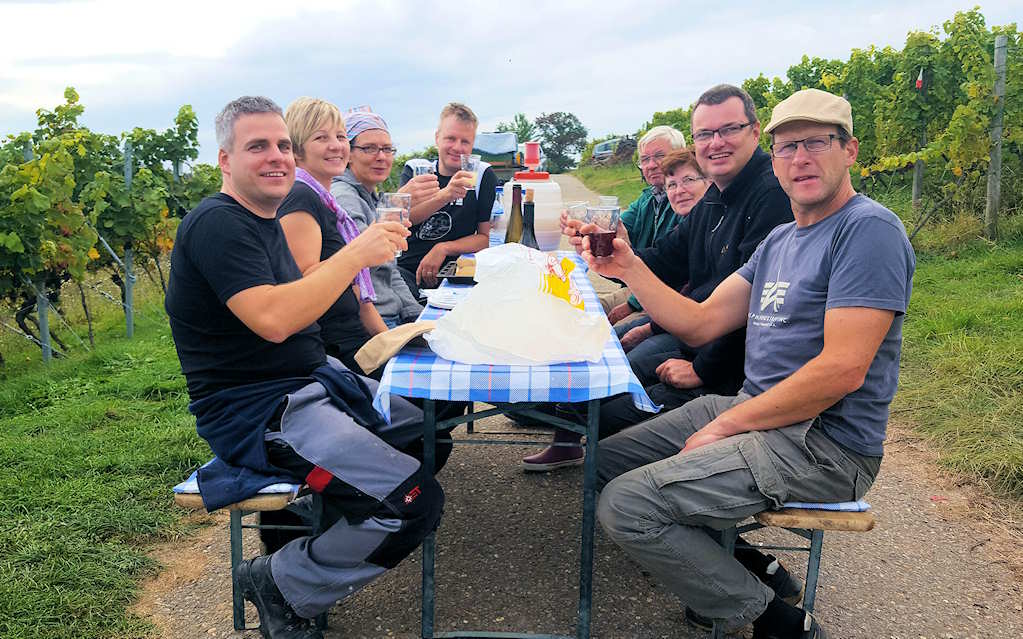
(785, 586)
(554, 457)
(277, 620)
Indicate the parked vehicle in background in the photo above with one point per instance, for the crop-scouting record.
(605, 149)
(614, 151)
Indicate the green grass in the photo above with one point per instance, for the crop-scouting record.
(961, 384)
(89, 446)
(962, 362)
(623, 180)
(88, 450)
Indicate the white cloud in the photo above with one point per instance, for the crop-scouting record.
(611, 63)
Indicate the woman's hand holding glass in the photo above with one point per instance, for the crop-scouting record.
(394, 207)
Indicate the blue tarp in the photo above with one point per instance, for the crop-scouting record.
(496, 143)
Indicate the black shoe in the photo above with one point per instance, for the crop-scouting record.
(696, 620)
(786, 587)
(276, 618)
(812, 629)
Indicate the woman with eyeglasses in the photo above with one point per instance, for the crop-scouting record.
(684, 182)
(372, 155)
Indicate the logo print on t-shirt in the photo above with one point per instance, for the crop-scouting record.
(773, 294)
(437, 226)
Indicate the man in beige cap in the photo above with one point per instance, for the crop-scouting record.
(823, 300)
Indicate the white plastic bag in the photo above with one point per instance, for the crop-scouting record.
(508, 318)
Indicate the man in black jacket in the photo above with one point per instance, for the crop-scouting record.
(739, 209)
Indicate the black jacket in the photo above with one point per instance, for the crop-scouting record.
(723, 231)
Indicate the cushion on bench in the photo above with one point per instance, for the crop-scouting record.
(272, 497)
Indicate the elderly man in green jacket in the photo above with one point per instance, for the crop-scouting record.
(649, 217)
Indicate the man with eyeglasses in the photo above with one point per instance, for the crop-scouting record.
(456, 219)
(741, 206)
(823, 301)
(649, 217)
(269, 401)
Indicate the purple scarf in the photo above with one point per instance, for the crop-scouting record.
(345, 226)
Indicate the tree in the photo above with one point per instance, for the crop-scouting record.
(520, 125)
(563, 136)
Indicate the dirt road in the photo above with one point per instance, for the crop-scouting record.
(941, 563)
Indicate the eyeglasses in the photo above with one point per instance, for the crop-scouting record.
(815, 144)
(647, 159)
(372, 149)
(687, 182)
(726, 132)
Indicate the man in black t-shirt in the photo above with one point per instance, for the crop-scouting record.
(266, 398)
(442, 230)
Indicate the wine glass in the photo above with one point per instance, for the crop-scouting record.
(605, 218)
(394, 207)
(470, 163)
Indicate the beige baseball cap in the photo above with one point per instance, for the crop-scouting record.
(812, 105)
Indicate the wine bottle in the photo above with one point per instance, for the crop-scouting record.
(528, 209)
(514, 232)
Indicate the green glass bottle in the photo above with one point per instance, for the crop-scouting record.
(514, 232)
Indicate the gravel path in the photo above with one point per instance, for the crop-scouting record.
(943, 563)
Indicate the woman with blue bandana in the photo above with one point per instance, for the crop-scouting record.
(372, 156)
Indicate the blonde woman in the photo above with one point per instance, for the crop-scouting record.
(316, 227)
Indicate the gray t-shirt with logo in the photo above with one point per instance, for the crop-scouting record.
(859, 256)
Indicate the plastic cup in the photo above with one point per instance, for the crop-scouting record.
(608, 200)
(575, 210)
(394, 207)
(422, 169)
(470, 163)
(605, 218)
(532, 155)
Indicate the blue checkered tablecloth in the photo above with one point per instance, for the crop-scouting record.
(419, 372)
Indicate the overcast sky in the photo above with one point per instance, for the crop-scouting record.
(611, 63)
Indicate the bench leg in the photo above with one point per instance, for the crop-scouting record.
(813, 565)
(237, 601)
(470, 425)
(728, 538)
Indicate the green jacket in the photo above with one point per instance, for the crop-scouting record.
(647, 222)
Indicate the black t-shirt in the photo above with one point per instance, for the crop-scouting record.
(341, 324)
(451, 222)
(222, 249)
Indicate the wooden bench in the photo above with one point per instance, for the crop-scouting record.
(808, 524)
(260, 503)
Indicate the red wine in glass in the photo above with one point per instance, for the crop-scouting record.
(600, 243)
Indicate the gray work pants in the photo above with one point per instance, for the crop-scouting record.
(658, 504)
(314, 572)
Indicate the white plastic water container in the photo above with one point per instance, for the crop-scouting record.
(546, 206)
